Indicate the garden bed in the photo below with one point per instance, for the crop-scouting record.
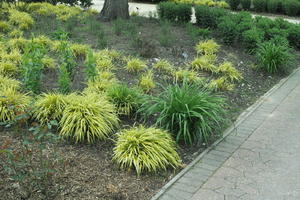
(88, 171)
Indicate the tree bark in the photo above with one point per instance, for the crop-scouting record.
(114, 9)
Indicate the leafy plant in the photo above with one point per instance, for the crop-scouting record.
(88, 118)
(163, 65)
(189, 112)
(135, 65)
(8, 68)
(204, 63)
(145, 149)
(9, 82)
(90, 66)
(31, 67)
(220, 84)
(228, 29)
(146, 82)
(294, 35)
(64, 80)
(79, 50)
(126, 99)
(246, 4)
(207, 47)
(234, 4)
(259, 5)
(230, 72)
(207, 17)
(12, 104)
(48, 62)
(273, 6)
(101, 83)
(67, 58)
(165, 36)
(273, 58)
(251, 38)
(182, 75)
(291, 7)
(49, 107)
(175, 12)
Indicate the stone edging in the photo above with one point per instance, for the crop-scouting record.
(243, 116)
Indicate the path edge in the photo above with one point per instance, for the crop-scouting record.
(242, 117)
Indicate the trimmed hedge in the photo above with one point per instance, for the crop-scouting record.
(291, 7)
(208, 17)
(246, 4)
(175, 12)
(234, 4)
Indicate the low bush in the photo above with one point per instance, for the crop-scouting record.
(251, 38)
(163, 66)
(12, 104)
(184, 75)
(229, 72)
(135, 65)
(234, 4)
(260, 5)
(190, 113)
(246, 4)
(145, 149)
(126, 99)
(273, 58)
(291, 7)
(228, 29)
(207, 47)
(207, 17)
(273, 6)
(294, 35)
(203, 63)
(88, 118)
(9, 82)
(49, 107)
(175, 12)
(146, 82)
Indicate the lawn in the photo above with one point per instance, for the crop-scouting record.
(114, 110)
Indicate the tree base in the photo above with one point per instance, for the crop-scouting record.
(114, 9)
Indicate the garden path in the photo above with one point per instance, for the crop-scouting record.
(258, 159)
(144, 10)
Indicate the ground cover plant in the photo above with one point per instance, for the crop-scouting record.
(118, 108)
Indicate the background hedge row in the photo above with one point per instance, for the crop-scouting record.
(288, 7)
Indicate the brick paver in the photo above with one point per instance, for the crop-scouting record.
(258, 160)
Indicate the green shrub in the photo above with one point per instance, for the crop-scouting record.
(190, 113)
(246, 4)
(260, 5)
(207, 17)
(234, 4)
(273, 58)
(126, 99)
(64, 80)
(244, 22)
(90, 66)
(294, 35)
(273, 6)
(251, 38)
(87, 118)
(145, 149)
(175, 12)
(228, 29)
(195, 32)
(291, 7)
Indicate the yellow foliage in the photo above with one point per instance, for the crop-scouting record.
(183, 74)
(8, 68)
(88, 118)
(12, 103)
(80, 50)
(6, 82)
(49, 62)
(17, 43)
(220, 84)
(22, 20)
(14, 56)
(135, 65)
(163, 65)
(230, 72)
(4, 26)
(146, 82)
(103, 81)
(15, 33)
(207, 47)
(204, 63)
(43, 41)
(212, 3)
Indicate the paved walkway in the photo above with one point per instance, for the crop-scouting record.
(258, 160)
(146, 9)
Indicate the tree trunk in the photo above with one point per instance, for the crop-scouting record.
(114, 9)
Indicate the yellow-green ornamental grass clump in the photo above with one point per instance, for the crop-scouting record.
(80, 50)
(185, 75)
(48, 62)
(4, 26)
(163, 66)
(220, 84)
(12, 103)
(88, 118)
(145, 149)
(101, 83)
(135, 65)
(207, 47)
(204, 63)
(49, 107)
(20, 19)
(146, 82)
(8, 68)
(231, 73)
(9, 82)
